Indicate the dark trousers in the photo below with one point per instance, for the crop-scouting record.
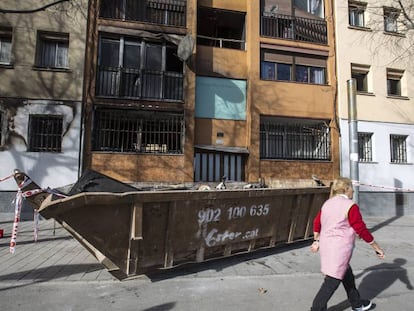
(330, 285)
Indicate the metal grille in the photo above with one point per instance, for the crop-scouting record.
(365, 147)
(294, 28)
(212, 166)
(164, 12)
(134, 83)
(138, 131)
(294, 140)
(45, 133)
(398, 146)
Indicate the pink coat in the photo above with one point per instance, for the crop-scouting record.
(337, 237)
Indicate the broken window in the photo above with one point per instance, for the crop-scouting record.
(135, 68)
(221, 28)
(45, 133)
(135, 131)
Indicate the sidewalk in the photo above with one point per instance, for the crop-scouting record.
(57, 273)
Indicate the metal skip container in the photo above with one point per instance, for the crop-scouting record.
(133, 232)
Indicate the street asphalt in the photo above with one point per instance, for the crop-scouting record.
(56, 273)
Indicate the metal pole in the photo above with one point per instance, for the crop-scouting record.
(353, 137)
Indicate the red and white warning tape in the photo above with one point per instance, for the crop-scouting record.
(20, 195)
(357, 183)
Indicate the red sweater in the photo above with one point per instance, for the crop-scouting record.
(355, 221)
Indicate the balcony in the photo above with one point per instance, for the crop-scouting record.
(139, 84)
(294, 28)
(163, 12)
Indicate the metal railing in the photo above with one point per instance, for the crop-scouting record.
(221, 42)
(139, 83)
(171, 13)
(294, 28)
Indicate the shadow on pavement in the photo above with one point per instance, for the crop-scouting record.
(45, 274)
(376, 279)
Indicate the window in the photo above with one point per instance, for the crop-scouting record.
(394, 77)
(119, 130)
(365, 147)
(360, 74)
(130, 67)
(314, 7)
(45, 133)
(356, 12)
(398, 146)
(5, 45)
(52, 50)
(221, 28)
(294, 139)
(391, 19)
(211, 166)
(288, 66)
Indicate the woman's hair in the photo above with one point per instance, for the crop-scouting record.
(340, 186)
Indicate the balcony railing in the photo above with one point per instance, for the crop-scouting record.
(139, 84)
(294, 28)
(164, 12)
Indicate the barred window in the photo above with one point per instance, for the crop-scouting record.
(117, 130)
(294, 139)
(45, 133)
(52, 50)
(365, 147)
(398, 146)
(212, 165)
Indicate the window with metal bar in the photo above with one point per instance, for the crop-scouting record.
(365, 147)
(211, 166)
(398, 146)
(5, 45)
(45, 133)
(294, 139)
(117, 130)
(52, 50)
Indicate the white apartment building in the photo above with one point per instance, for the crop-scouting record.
(373, 47)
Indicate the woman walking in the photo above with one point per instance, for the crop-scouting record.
(335, 228)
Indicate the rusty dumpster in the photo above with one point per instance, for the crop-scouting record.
(134, 232)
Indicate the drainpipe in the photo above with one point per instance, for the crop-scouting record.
(353, 136)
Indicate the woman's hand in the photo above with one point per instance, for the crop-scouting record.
(315, 246)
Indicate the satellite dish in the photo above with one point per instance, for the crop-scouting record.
(185, 48)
